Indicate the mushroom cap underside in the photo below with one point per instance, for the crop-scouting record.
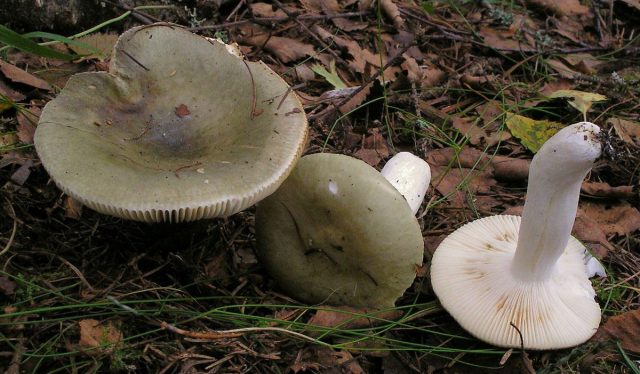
(179, 129)
(472, 277)
(337, 232)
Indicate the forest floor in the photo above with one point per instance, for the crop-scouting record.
(473, 87)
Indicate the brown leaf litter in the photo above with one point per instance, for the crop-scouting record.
(284, 48)
(374, 149)
(15, 74)
(623, 328)
(98, 338)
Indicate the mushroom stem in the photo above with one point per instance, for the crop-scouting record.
(410, 175)
(555, 176)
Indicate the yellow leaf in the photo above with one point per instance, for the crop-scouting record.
(581, 100)
(532, 133)
(331, 76)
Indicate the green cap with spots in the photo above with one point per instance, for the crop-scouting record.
(179, 129)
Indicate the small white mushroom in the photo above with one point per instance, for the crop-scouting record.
(499, 272)
(410, 175)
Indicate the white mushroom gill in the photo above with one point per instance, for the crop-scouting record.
(555, 178)
(410, 175)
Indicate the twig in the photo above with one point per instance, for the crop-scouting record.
(16, 360)
(144, 131)
(526, 361)
(13, 230)
(434, 24)
(254, 92)
(235, 10)
(145, 18)
(134, 60)
(185, 167)
(306, 17)
(227, 334)
(79, 274)
(289, 89)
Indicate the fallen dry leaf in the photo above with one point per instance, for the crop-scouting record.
(628, 131)
(304, 73)
(331, 7)
(391, 10)
(351, 318)
(618, 218)
(465, 180)
(584, 63)
(374, 149)
(333, 361)
(72, 208)
(562, 69)
(357, 99)
(27, 122)
(632, 3)
(590, 232)
(285, 49)
(603, 189)
(555, 85)
(15, 74)
(562, 8)
(510, 169)
(623, 328)
(504, 39)
(216, 269)
(10, 93)
(488, 136)
(360, 56)
(266, 10)
(98, 338)
(7, 286)
(465, 187)
(21, 175)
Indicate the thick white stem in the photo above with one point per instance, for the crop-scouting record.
(555, 176)
(410, 175)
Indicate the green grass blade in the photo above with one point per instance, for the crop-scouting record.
(62, 39)
(628, 361)
(10, 37)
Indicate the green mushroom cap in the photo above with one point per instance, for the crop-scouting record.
(337, 232)
(179, 129)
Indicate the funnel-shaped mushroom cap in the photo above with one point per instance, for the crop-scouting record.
(338, 232)
(170, 133)
(471, 275)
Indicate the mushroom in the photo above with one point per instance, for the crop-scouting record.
(179, 129)
(410, 175)
(338, 232)
(505, 279)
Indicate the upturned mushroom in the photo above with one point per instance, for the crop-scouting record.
(179, 129)
(505, 279)
(338, 232)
